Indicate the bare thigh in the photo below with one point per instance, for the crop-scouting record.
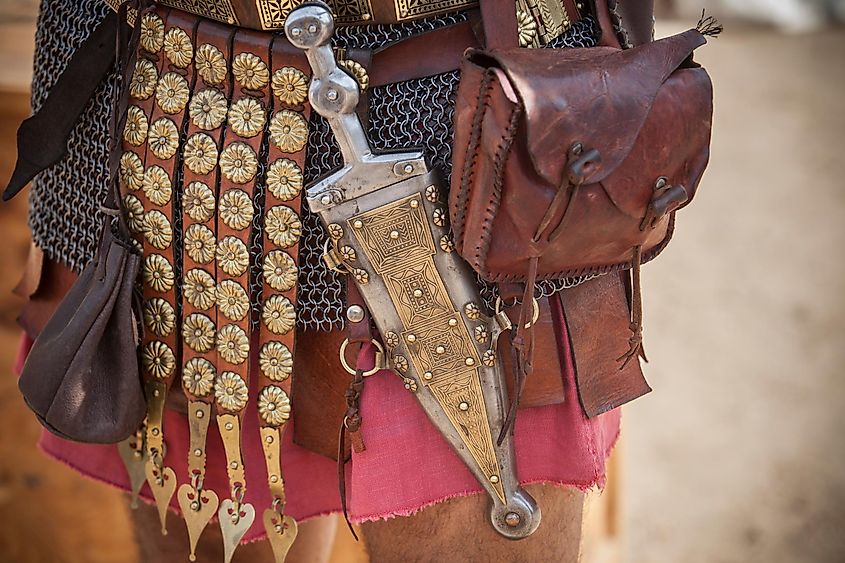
(313, 542)
(458, 530)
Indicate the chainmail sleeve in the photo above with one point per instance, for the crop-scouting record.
(64, 200)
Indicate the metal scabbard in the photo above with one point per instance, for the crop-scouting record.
(388, 224)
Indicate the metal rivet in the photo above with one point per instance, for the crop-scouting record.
(326, 199)
(408, 168)
(418, 293)
(269, 439)
(274, 478)
(195, 505)
(394, 235)
(296, 31)
(312, 28)
(235, 517)
(229, 426)
(469, 362)
(200, 414)
(494, 479)
(332, 95)
(357, 224)
(197, 452)
(512, 519)
(411, 338)
(155, 431)
(428, 376)
(414, 204)
(156, 393)
(453, 322)
(355, 313)
(463, 405)
(440, 349)
(234, 465)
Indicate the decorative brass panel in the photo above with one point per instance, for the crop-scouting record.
(441, 348)
(540, 21)
(418, 293)
(274, 12)
(220, 10)
(397, 240)
(395, 235)
(463, 402)
(411, 9)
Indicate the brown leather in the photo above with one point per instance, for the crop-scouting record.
(153, 113)
(608, 34)
(596, 314)
(282, 60)
(243, 41)
(545, 384)
(627, 118)
(200, 33)
(635, 19)
(318, 394)
(419, 56)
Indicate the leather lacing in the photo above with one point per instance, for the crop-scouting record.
(635, 341)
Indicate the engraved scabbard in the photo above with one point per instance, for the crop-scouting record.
(388, 224)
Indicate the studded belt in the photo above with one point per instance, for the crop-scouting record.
(271, 14)
(212, 174)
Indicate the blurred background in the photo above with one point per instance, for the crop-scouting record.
(738, 455)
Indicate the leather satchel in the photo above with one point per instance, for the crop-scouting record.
(81, 377)
(573, 162)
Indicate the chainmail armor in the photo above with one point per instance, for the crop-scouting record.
(65, 199)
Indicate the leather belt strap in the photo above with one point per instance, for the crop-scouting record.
(288, 134)
(422, 55)
(271, 14)
(147, 168)
(248, 60)
(207, 110)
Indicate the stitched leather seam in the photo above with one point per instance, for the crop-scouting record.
(502, 152)
(470, 158)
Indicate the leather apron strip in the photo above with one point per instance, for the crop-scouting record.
(206, 115)
(288, 132)
(153, 120)
(238, 164)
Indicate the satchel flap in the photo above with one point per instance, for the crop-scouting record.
(599, 97)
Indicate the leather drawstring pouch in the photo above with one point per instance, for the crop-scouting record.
(571, 162)
(81, 378)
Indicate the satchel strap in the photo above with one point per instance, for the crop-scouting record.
(501, 28)
(498, 18)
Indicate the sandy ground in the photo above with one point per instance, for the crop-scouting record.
(737, 455)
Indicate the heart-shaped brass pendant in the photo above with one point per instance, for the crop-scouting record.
(135, 460)
(197, 508)
(281, 532)
(163, 484)
(235, 520)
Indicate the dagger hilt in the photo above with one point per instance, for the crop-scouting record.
(333, 93)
